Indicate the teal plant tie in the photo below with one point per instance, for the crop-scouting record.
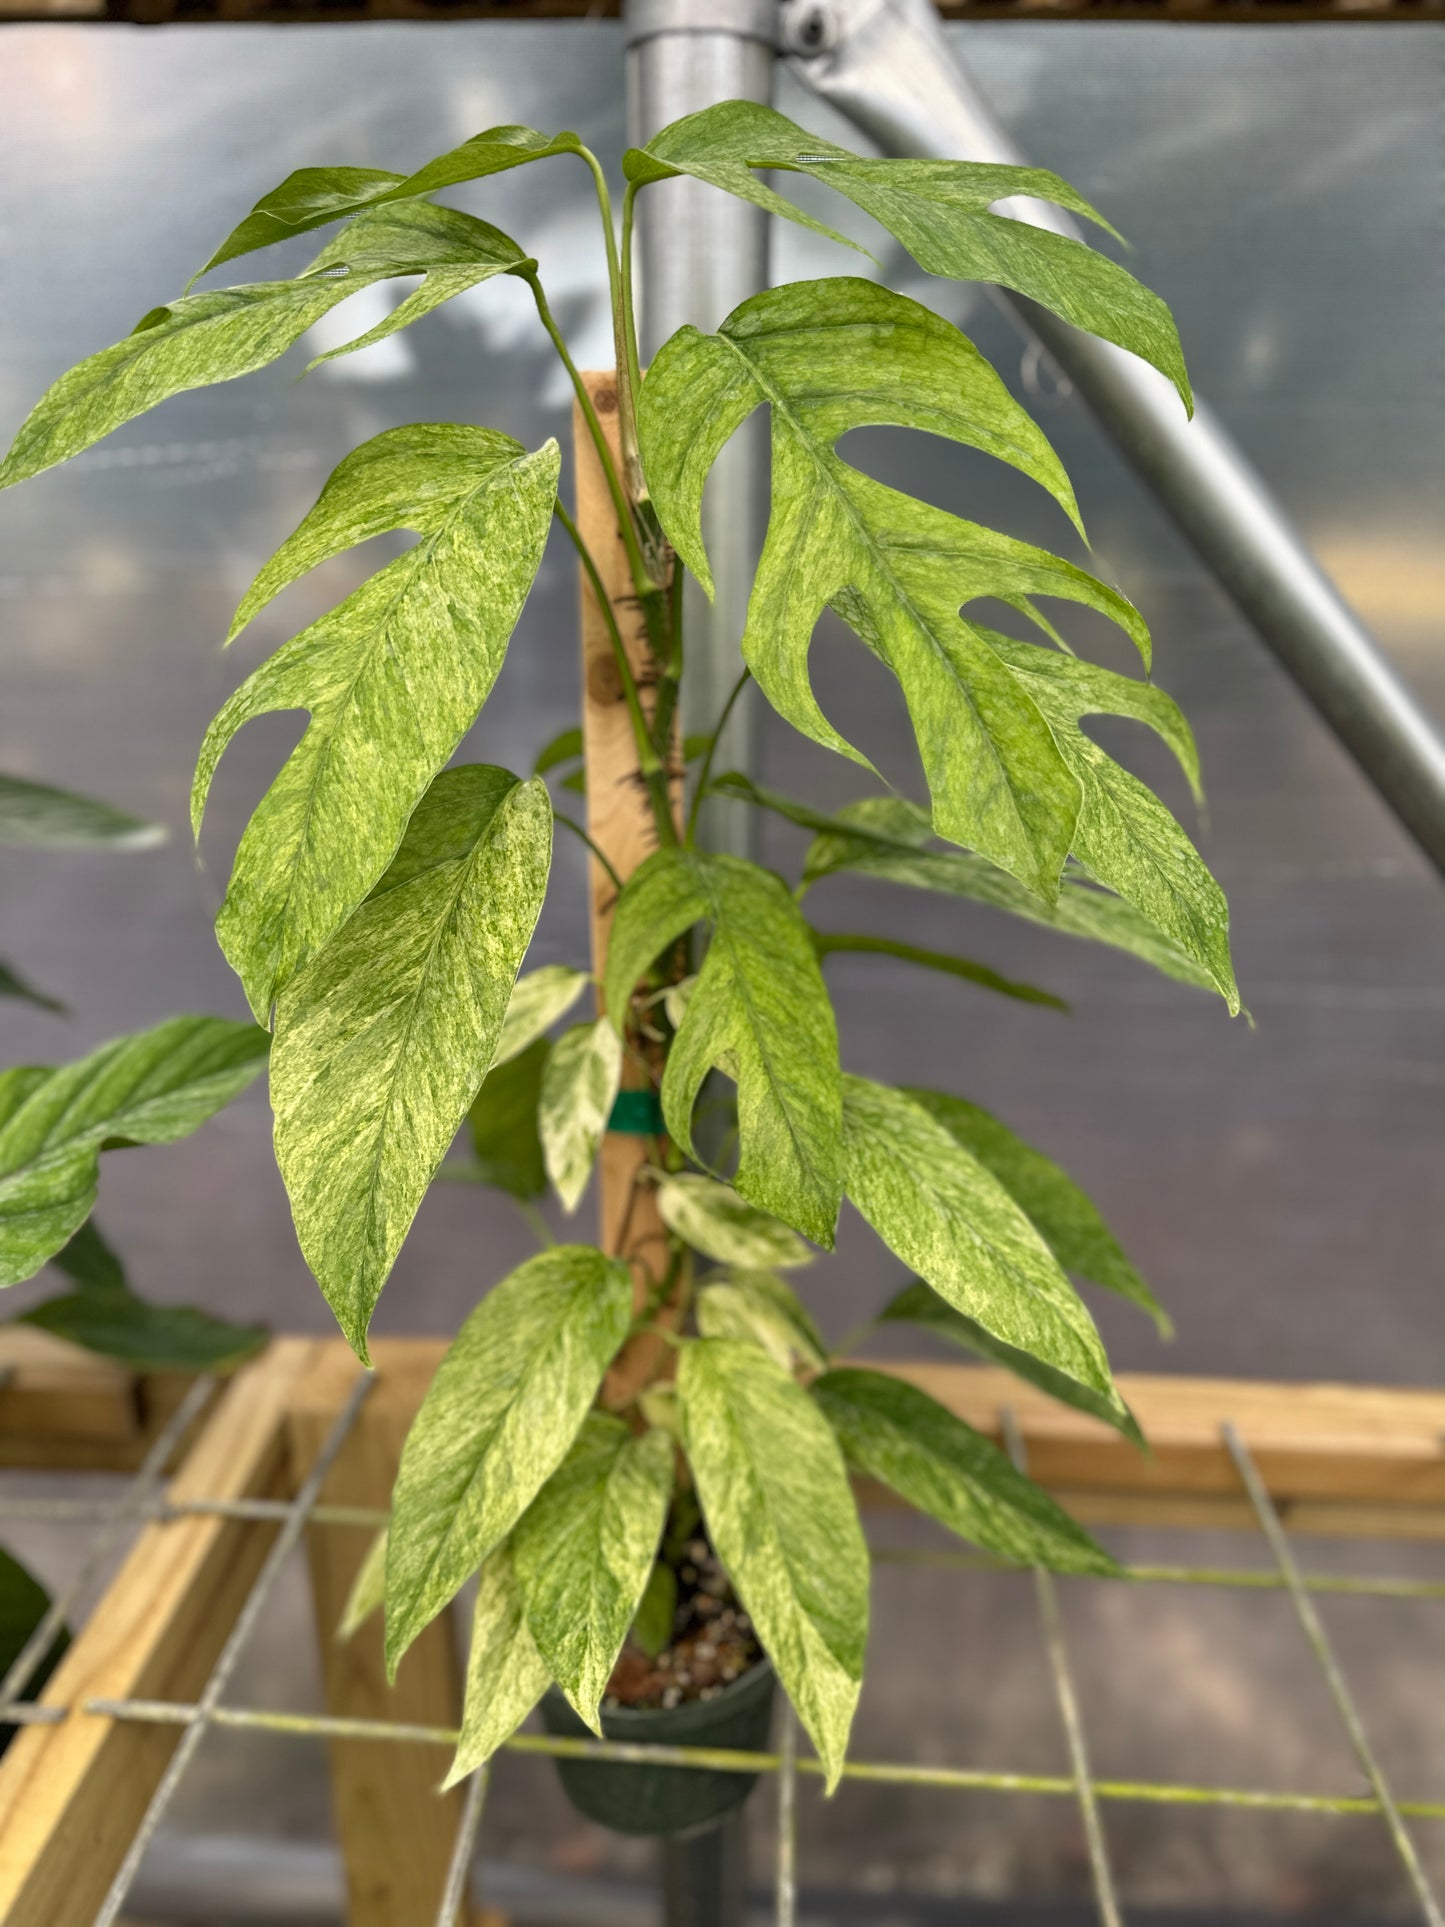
(637, 1113)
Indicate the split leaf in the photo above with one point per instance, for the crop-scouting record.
(507, 1401)
(584, 1549)
(383, 1040)
(780, 1514)
(759, 1012)
(506, 1675)
(579, 1085)
(150, 1088)
(894, 1432)
(714, 1220)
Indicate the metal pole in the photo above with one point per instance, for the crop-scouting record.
(700, 254)
(887, 65)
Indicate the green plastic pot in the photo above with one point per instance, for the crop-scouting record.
(667, 1799)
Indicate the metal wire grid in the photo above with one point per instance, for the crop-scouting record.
(143, 1500)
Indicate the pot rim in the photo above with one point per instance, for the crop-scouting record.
(627, 1722)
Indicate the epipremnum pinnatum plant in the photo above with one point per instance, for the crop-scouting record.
(382, 902)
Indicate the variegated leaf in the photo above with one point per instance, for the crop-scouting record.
(579, 1086)
(714, 1220)
(506, 1675)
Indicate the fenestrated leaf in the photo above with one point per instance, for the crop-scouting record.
(506, 1403)
(225, 332)
(918, 1304)
(938, 210)
(827, 356)
(90, 1261)
(540, 997)
(35, 815)
(759, 1307)
(12, 984)
(314, 196)
(894, 1432)
(392, 678)
(833, 943)
(150, 1088)
(714, 1220)
(584, 1549)
(1125, 837)
(775, 1494)
(506, 1675)
(759, 1012)
(368, 1589)
(383, 1040)
(1063, 1215)
(947, 1216)
(145, 1336)
(578, 1088)
(503, 1125)
(415, 477)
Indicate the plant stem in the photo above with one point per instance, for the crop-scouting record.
(540, 1227)
(627, 347)
(706, 771)
(571, 823)
(624, 335)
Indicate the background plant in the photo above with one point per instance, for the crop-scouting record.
(381, 905)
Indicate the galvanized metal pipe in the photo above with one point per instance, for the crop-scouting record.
(888, 67)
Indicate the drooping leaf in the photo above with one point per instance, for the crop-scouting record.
(506, 1675)
(894, 1432)
(384, 1038)
(657, 1611)
(579, 1085)
(1125, 838)
(918, 1304)
(1063, 1215)
(939, 210)
(392, 678)
(584, 1549)
(12, 984)
(503, 1124)
(759, 1012)
(416, 478)
(833, 943)
(314, 196)
(37, 816)
(145, 1336)
(714, 1220)
(539, 999)
(506, 1403)
(368, 1589)
(780, 1514)
(89, 1260)
(827, 356)
(225, 332)
(150, 1088)
(948, 1217)
(759, 1307)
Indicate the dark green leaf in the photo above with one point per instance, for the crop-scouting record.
(506, 1403)
(147, 1337)
(12, 984)
(894, 1432)
(384, 1038)
(657, 1611)
(89, 1260)
(503, 1124)
(24, 1602)
(831, 943)
(565, 747)
(36, 815)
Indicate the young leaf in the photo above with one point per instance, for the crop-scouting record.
(759, 1012)
(656, 1611)
(714, 1220)
(832, 943)
(36, 815)
(938, 210)
(393, 678)
(147, 1337)
(12, 984)
(312, 197)
(383, 1040)
(150, 1088)
(503, 1124)
(894, 1432)
(506, 1675)
(578, 1089)
(89, 1260)
(584, 1549)
(1063, 1215)
(759, 1308)
(949, 1218)
(780, 1514)
(565, 747)
(918, 1304)
(538, 1000)
(827, 356)
(368, 1589)
(506, 1403)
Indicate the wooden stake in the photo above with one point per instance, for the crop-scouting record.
(620, 822)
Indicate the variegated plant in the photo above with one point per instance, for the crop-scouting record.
(382, 903)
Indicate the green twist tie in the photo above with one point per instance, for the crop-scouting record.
(638, 1113)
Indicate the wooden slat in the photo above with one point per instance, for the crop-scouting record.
(72, 1795)
(395, 1832)
(65, 1409)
